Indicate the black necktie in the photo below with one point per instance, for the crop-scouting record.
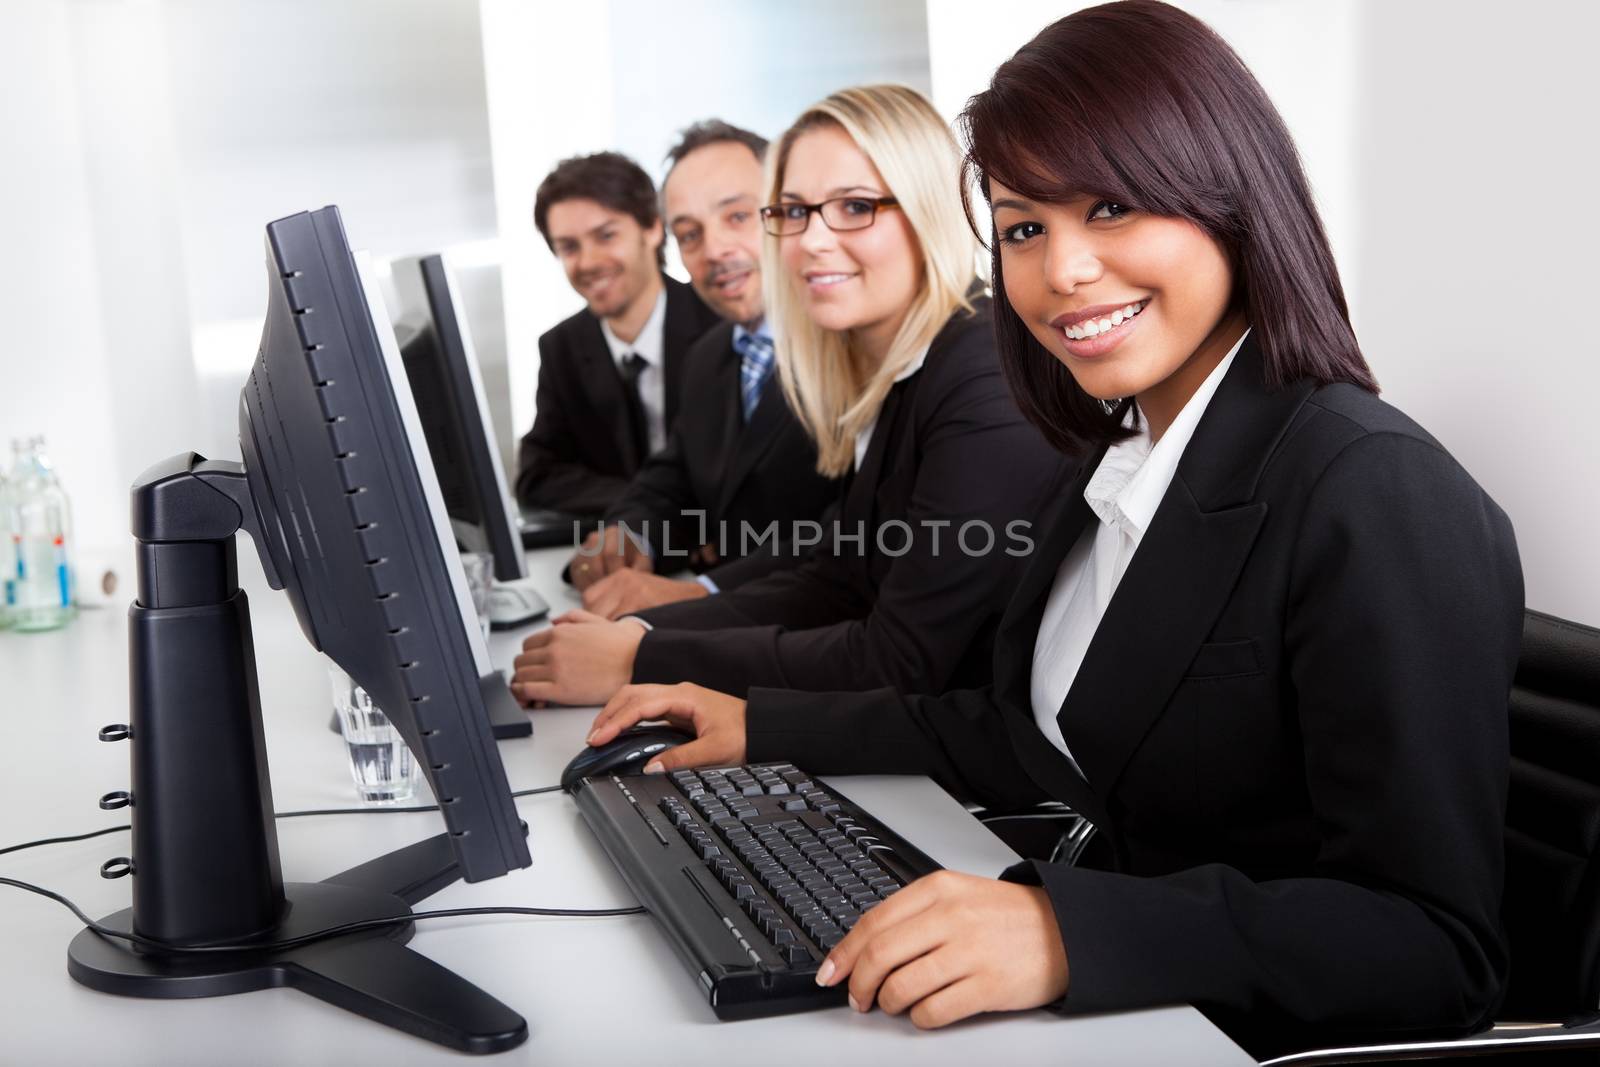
(633, 365)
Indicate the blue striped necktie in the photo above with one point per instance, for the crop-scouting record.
(755, 367)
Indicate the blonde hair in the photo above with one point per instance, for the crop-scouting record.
(904, 137)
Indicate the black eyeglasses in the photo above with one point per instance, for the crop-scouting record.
(841, 213)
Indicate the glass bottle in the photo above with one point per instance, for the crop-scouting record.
(42, 539)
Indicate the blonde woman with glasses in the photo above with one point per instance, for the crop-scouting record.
(887, 356)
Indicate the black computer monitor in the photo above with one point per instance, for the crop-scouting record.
(336, 495)
(442, 368)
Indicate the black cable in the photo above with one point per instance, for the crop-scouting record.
(279, 815)
(62, 840)
(316, 935)
(397, 811)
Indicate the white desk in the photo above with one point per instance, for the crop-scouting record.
(594, 991)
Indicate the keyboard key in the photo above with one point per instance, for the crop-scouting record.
(795, 954)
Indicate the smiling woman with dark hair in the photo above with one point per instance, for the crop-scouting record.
(1267, 639)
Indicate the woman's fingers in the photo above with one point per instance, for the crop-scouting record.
(950, 1004)
(889, 949)
(908, 984)
(530, 692)
(575, 615)
(914, 898)
(708, 750)
(535, 657)
(635, 704)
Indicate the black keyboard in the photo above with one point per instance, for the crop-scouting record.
(542, 528)
(754, 873)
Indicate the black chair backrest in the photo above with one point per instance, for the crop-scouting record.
(1552, 897)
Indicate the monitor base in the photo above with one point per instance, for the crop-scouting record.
(370, 973)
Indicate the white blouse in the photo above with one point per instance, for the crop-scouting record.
(864, 438)
(1124, 493)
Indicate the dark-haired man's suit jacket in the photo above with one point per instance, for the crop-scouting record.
(580, 453)
(1291, 724)
(736, 473)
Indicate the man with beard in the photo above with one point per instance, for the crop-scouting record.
(737, 461)
(610, 377)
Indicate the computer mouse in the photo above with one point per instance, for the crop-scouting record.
(514, 604)
(624, 754)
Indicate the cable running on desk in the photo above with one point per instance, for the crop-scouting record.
(316, 935)
(280, 815)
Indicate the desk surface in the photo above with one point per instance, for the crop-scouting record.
(574, 980)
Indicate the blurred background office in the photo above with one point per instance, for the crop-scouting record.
(149, 141)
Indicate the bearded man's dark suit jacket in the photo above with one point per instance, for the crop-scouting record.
(737, 474)
(581, 452)
(1291, 722)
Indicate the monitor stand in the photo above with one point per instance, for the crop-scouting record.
(205, 849)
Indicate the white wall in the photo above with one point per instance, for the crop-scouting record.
(1477, 290)
(56, 374)
(148, 144)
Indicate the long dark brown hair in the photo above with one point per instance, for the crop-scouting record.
(1144, 105)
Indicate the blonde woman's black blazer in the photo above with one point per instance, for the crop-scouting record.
(950, 446)
(1291, 724)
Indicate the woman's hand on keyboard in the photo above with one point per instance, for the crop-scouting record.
(952, 945)
(716, 719)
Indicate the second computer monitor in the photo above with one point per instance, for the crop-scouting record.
(436, 345)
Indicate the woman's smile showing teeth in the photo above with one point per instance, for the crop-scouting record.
(1095, 331)
(824, 279)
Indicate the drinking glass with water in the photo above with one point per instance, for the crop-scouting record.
(382, 766)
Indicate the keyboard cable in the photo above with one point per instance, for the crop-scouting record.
(285, 944)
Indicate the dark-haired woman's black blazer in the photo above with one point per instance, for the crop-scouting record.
(1292, 722)
(950, 446)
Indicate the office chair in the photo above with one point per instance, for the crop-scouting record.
(1552, 893)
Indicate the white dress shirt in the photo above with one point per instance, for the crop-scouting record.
(864, 438)
(652, 385)
(1124, 493)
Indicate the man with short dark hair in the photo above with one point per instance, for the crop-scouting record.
(610, 382)
(738, 458)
